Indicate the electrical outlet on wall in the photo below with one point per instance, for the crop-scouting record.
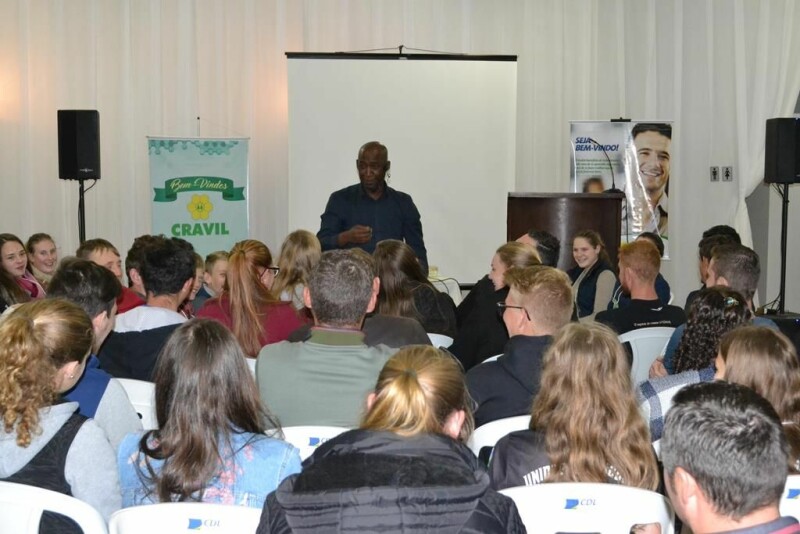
(714, 174)
(727, 174)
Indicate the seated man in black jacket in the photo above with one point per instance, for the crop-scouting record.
(539, 302)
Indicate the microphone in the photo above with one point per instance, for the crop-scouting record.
(610, 166)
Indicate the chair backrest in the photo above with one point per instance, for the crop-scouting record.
(489, 434)
(440, 340)
(790, 500)
(308, 438)
(492, 358)
(142, 395)
(168, 518)
(584, 507)
(251, 363)
(647, 344)
(21, 508)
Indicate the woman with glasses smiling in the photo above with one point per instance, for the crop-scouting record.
(247, 306)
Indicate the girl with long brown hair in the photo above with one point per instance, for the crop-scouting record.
(210, 444)
(585, 423)
(300, 252)
(14, 261)
(247, 306)
(765, 360)
(405, 469)
(44, 442)
(407, 292)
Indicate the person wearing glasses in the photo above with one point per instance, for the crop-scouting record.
(538, 304)
(247, 306)
(363, 214)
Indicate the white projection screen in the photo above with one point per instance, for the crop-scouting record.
(450, 127)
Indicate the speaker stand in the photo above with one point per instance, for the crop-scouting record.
(82, 213)
(784, 235)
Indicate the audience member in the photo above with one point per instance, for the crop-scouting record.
(547, 246)
(584, 423)
(405, 469)
(593, 184)
(247, 306)
(106, 255)
(14, 261)
(324, 380)
(766, 361)
(538, 304)
(482, 333)
(407, 292)
(187, 306)
(42, 257)
(716, 311)
(214, 278)
(716, 235)
(300, 252)
(168, 273)
(593, 278)
(10, 291)
(134, 261)
(44, 442)
(639, 263)
(100, 397)
(621, 297)
(733, 266)
(210, 445)
(724, 461)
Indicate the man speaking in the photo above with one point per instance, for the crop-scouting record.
(361, 215)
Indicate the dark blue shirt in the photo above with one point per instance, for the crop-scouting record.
(392, 216)
(90, 388)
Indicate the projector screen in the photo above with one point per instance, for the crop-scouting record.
(449, 126)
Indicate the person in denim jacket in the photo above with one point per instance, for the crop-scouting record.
(211, 444)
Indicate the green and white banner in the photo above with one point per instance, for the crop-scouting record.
(199, 190)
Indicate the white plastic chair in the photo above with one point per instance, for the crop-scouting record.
(790, 500)
(647, 344)
(440, 340)
(142, 396)
(584, 507)
(489, 434)
(251, 364)
(21, 508)
(168, 518)
(308, 438)
(492, 358)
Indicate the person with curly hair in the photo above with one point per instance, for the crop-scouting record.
(407, 292)
(716, 311)
(766, 361)
(208, 447)
(585, 426)
(44, 442)
(247, 306)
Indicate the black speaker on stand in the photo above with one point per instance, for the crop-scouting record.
(782, 166)
(79, 153)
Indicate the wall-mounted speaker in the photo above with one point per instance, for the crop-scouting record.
(782, 151)
(78, 144)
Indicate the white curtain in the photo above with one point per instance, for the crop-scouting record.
(210, 68)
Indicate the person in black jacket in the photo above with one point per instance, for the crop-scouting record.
(538, 304)
(482, 333)
(406, 469)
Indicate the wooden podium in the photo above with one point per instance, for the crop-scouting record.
(564, 215)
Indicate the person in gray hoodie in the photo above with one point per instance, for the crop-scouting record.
(45, 442)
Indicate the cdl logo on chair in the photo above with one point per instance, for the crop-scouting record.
(793, 494)
(198, 524)
(572, 504)
(315, 441)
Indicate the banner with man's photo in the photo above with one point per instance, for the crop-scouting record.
(199, 190)
(633, 157)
